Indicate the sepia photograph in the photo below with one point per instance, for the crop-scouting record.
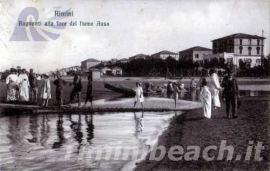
(134, 85)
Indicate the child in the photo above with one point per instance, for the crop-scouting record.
(60, 83)
(46, 90)
(206, 99)
(139, 94)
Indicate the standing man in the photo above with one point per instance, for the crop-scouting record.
(60, 83)
(76, 89)
(33, 86)
(89, 93)
(231, 93)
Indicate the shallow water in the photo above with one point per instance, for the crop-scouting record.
(74, 142)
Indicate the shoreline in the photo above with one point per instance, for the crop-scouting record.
(191, 128)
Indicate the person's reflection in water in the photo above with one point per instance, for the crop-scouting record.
(60, 132)
(33, 128)
(193, 95)
(44, 130)
(76, 127)
(90, 127)
(138, 122)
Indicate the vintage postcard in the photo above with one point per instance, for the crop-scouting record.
(134, 85)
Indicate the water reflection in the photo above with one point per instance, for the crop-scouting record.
(44, 130)
(90, 127)
(60, 132)
(33, 129)
(138, 116)
(76, 128)
(39, 141)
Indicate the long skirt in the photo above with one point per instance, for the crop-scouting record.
(215, 96)
(24, 92)
(207, 108)
(12, 92)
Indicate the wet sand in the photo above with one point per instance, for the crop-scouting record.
(192, 128)
(149, 103)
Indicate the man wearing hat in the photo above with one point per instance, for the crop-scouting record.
(230, 93)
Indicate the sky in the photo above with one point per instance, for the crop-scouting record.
(134, 27)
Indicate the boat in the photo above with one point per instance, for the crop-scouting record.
(122, 89)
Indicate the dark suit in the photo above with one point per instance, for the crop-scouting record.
(230, 93)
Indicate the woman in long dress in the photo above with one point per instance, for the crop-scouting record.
(206, 99)
(12, 82)
(139, 94)
(46, 90)
(24, 86)
(215, 87)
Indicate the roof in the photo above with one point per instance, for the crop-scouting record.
(123, 59)
(138, 55)
(91, 60)
(165, 52)
(116, 67)
(197, 48)
(242, 35)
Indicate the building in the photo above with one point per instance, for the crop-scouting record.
(195, 54)
(117, 71)
(106, 71)
(165, 54)
(89, 63)
(96, 73)
(248, 48)
(138, 56)
(122, 61)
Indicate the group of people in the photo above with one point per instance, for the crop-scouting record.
(24, 87)
(209, 94)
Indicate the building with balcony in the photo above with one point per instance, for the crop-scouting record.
(239, 46)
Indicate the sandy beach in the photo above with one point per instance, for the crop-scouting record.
(192, 128)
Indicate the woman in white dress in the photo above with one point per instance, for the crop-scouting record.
(206, 99)
(24, 86)
(215, 87)
(139, 94)
(46, 90)
(12, 82)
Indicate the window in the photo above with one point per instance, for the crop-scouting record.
(258, 42)
(240, 49)
(258, 61)
(258, 50)
(197, 56)
(249, 50)
(241, 41)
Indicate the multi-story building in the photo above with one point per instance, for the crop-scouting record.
(138, 56)
(195, 53)
(165, 54)
(89, 63)
(236, 47)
